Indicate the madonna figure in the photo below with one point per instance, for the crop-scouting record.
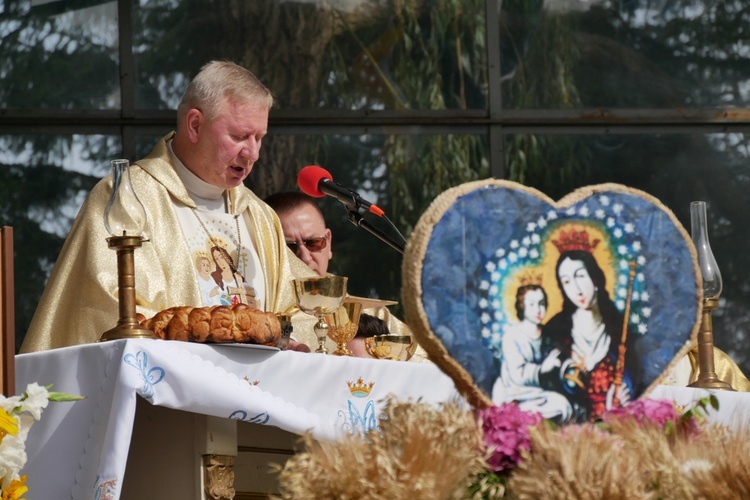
(523, 362)
(231, 283)
(588, 331)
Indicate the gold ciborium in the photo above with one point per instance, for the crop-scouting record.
(393, 347)
(343, 326)
(319, 297)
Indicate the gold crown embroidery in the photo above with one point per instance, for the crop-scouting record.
(360, 389)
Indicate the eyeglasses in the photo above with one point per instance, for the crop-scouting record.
(312, 244)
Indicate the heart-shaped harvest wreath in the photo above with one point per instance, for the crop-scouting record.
(567, 308)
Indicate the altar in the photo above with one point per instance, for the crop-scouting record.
(80, 449)
(153, 408)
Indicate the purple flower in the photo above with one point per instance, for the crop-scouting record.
(506, 433)
(656, 411)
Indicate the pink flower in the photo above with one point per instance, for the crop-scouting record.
(506, 433)
(656, 411)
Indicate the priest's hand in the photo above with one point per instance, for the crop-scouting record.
(294, 345)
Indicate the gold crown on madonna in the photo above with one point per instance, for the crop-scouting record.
(575, 240)
(528, 278)
(360, 388)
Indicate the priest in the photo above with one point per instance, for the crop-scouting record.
(210, 240)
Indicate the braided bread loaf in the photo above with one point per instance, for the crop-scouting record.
(221, 324)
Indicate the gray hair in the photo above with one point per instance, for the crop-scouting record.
(219, 80)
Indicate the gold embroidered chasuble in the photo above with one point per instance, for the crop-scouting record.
(80, 302)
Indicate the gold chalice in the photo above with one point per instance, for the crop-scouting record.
(343, 326)
(318, 297)
(393, 347)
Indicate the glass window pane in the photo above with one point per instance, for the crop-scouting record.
(676, 169)
(349, 54)
(44, 180)
(639, 54)
(59, 55)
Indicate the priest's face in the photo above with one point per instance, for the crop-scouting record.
(307, 236)
(224, 147)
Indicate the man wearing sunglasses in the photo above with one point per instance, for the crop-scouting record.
(304, 229)
(308, 237)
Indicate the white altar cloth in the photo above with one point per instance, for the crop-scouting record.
(79, 449)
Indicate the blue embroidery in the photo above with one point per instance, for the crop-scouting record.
(150, 377)
(366, 422)
(260, 418)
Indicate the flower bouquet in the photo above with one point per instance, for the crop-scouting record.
(648, 449)
(17, 414)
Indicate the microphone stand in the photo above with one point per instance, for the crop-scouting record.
(358, 220)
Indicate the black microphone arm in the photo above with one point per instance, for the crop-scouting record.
(349, 198)
(358, 220)
(353, 203)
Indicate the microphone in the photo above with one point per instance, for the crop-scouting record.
(317, 182)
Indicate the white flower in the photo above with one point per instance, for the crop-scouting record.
(9, 404)
(37, 400)
(12, 457)
(25, 410)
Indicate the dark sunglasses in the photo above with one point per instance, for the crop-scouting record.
(313, 244)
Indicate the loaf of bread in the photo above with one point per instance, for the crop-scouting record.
(220, 324)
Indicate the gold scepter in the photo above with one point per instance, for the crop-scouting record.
(620, 366)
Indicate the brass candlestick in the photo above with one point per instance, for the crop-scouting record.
(127, 326)
(712, 287)
(125, 220)
(707, 379)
